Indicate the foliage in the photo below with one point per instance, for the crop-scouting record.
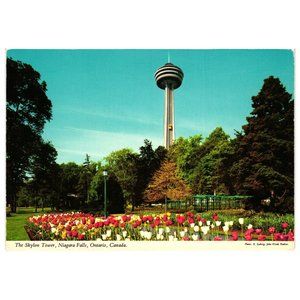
(27, 109)
(166, 184)
(202, 164)
(123, 164)
(265, 150)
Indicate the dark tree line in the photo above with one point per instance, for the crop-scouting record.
(258, 162)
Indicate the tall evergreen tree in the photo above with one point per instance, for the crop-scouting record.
(265, 150)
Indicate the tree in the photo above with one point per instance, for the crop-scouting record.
(87, 171)
(149, 161)
(44, 175)
(124, 165)
(69, 178)
(115, 198)
(166, 184)
(27, 110)
(184, 152)
(265, 149)
(210, 175)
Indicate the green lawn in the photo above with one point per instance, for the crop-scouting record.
(15, 223)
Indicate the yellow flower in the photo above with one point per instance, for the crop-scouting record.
(64, 234)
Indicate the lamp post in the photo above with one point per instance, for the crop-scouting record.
(105, 177)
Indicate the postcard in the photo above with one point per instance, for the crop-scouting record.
(149, 149)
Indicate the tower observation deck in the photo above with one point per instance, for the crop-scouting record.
(169, 77)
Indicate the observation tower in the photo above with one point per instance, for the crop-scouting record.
(169, 77)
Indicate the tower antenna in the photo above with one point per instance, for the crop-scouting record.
(169, 57)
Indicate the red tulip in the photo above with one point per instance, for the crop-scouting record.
(217, 238)
(169, 223)
(123, 224)
(74, 233)
(215, 217)
(248, 237)
(191, 220)
(180, 219)
(285, 225)
(235, 235)
(261, 237)
(272, 230)
(92, 220)
(258, 231)
(81, 236)
(165, 218)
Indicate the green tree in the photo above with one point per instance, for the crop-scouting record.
(44, 173)
(115, 198)
(209, 176)
(265, 149)
(185, 153)
(87, 171)
(27, 110)
(69, 179)
(124, 165)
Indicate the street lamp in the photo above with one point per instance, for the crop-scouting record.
(105, 177)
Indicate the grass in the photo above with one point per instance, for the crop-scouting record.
(15, 223)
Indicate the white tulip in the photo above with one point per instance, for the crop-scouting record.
(160, 230)
(205, 229)
(168, 230)
(108, 233)
(196, 228)
(227, 223)
(218, 223)
(249, 226)
(231, 223)
(200, 223)
(192, 225)
(182, 233)
(53, 230)
(104, 237)
(212, 226)
(195, 237)
(241, 221)
(149, 235)
(208, 223)
(124, 233)
(185, 229)
(119, 237)
(225, 228)
(171, 238)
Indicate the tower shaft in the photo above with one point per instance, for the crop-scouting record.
(169, 130)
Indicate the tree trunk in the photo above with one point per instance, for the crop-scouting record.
(13, 204)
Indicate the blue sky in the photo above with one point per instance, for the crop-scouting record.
(105, 100)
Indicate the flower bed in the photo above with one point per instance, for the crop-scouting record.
(162, 227)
